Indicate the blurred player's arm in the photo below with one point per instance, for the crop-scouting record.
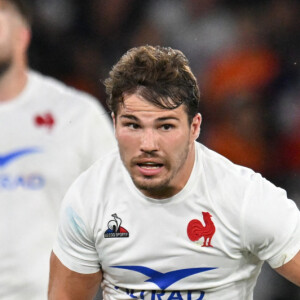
(65, 284)
(291, 270)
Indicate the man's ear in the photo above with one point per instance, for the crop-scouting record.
(25, 36)
(195, 126)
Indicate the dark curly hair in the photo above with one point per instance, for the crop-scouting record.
(161, 75)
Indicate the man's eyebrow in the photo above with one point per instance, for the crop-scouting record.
(162, 119)
(131, 117)
(167, 119)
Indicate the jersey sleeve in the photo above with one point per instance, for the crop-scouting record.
(271, 223)
(74, 245)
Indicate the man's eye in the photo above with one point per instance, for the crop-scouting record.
(132, 125)
(167, 126)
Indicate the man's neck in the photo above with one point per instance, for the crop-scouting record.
(12, 83)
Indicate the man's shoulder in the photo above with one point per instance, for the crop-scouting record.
(229, 186)
(104, 169)
(223, 173)
(52, 90)
(218, 165)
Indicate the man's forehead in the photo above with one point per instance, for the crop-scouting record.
(129, 107)
(7, 7)
(4, 4)
(136, 103)
(11, 7)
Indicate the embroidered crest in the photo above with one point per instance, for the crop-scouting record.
(114, 228)
(196, 230)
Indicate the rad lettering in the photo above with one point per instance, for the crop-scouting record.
(28, 182)
(163, 295)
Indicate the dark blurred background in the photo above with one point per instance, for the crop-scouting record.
(245, 54)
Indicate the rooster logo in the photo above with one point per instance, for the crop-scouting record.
(46, 120)
(196, 230)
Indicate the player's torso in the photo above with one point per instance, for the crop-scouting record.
(38, 162)
(37, 151)
(180, 249)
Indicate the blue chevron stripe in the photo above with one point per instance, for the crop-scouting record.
(164, 280)
(10, 157)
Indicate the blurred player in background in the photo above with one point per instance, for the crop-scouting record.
(49, 134)
(165, 217)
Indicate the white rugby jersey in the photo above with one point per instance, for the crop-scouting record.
(206, 242)
(48, 136)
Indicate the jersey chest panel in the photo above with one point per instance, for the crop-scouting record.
(167, 247)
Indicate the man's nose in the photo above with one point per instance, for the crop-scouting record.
(149, 142)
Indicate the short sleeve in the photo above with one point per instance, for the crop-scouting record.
(74, 245)
(270, 223)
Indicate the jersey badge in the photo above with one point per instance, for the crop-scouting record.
(196, 230)
(46, 120)
(114, 228)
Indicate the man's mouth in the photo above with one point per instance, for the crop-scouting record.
(149, 168)
(150, 165)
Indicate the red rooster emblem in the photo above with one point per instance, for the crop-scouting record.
(46, 120)
(196, 230)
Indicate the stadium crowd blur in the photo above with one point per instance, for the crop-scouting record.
(246, 55)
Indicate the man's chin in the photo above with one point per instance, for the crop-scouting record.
(143, 185)
(149, 186)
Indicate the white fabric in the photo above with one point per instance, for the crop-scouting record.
(40, 156)
(253, 219)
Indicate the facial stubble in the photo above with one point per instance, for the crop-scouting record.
(164, 188)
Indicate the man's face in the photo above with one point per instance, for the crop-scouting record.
(10, 25)
(156, 145)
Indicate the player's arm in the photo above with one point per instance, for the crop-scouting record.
(291, 270)
(65, 284)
